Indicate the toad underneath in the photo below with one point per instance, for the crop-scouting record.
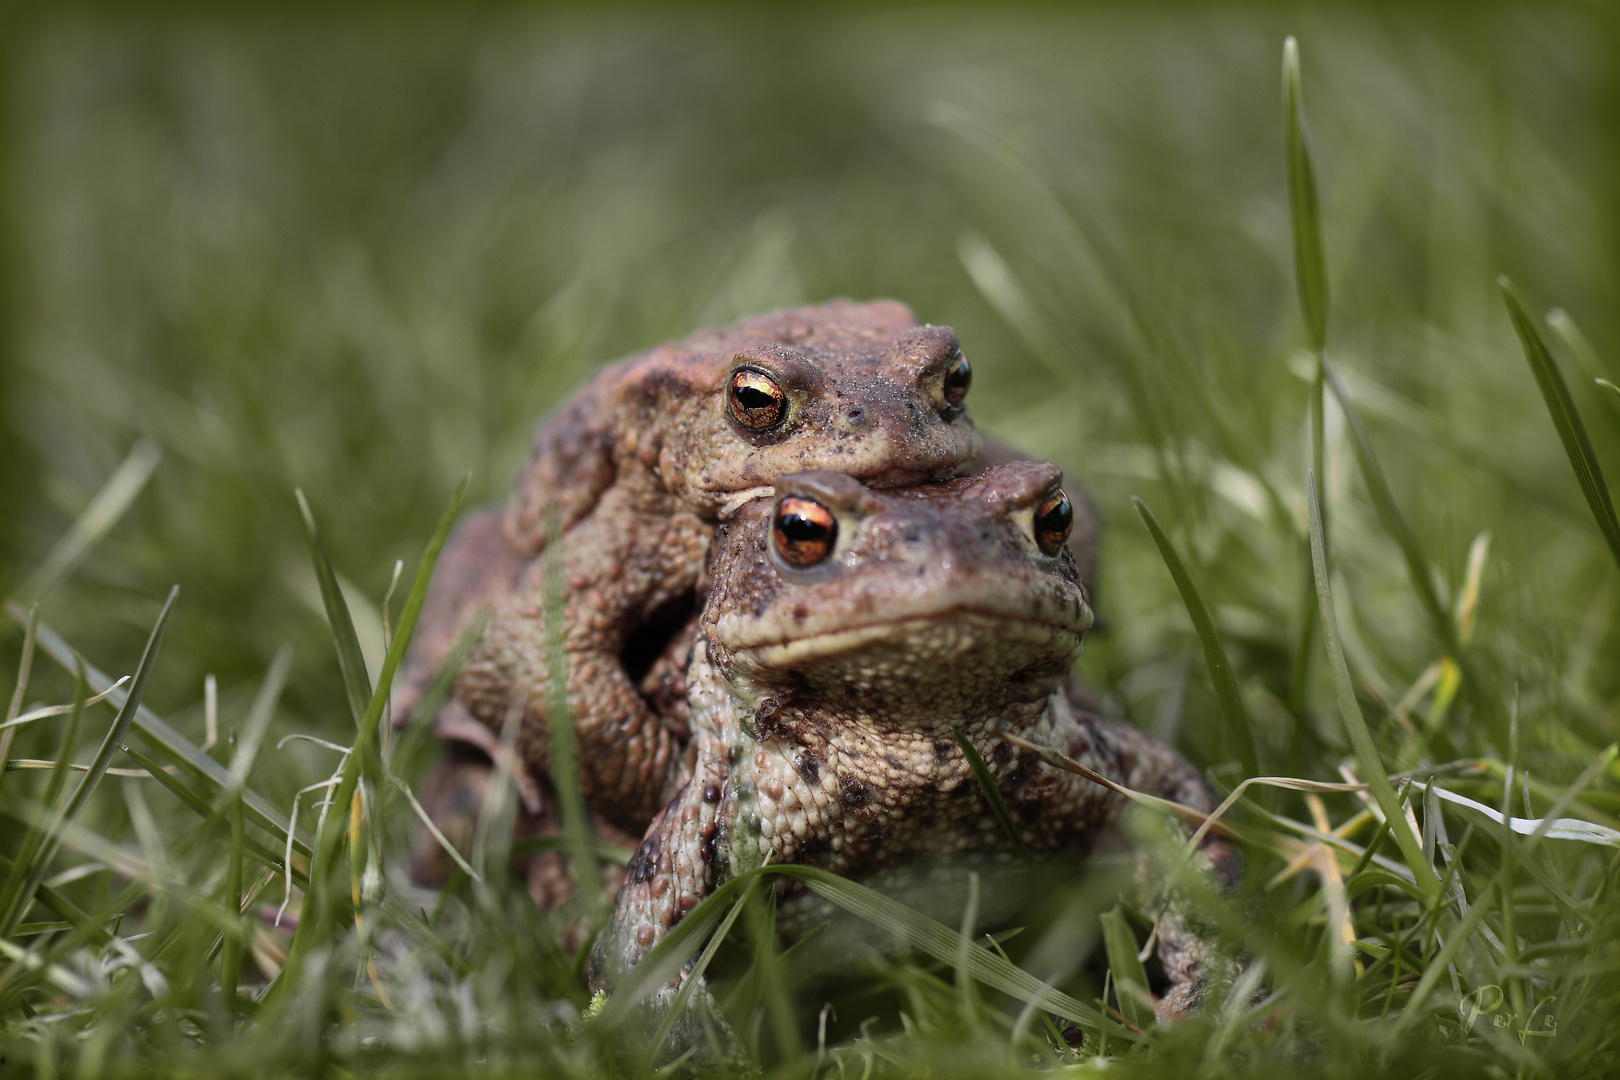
(847, 631)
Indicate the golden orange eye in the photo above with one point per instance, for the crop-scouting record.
(957, 381)
(803, 530)
(756, 402)
(1054, 519)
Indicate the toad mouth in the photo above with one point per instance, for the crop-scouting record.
(831, 644)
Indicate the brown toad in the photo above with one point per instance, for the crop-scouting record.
(633, 472)
(847, 631)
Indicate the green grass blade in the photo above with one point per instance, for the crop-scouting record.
(69, 743)
(917, 930)
(258, 719)
(1372, 767)
(95, 521)
(765, 971)
(1585, 356)
(25, 670)
(1304, 211)
(164, 739)
(18, 901)
(1239, 731)
(54, 785)
(666, 959)
(231, 969)
(1512, 858)
(330, 837)
(70, 912)
(1130, 978)
(351, 660)
(1310, 277)
(1394, 522)
(991, 793)
(208, 813)
(684, 994)
(1565, 418)
(940, 942)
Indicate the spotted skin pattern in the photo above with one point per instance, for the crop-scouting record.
(822, 702)
(634, 472)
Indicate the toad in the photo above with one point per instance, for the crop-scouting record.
(625, 486)
(847, 632)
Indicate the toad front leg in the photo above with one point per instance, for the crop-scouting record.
(621, 565)
(1138, 761)
(672, 870)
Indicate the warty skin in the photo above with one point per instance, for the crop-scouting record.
(822, 700)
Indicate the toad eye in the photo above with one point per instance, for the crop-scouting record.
(803, 531)
(957, 381)
(1054, 518)
(756, 401)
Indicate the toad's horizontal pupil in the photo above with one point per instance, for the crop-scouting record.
(1053, 520)
(752, 397)
(803, 530)
(957, 381)
(798, 527)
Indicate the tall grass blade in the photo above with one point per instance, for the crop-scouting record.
(208, 813)
(1130, 978)
(1305, 213)
(351, 660)
(28, 850)
(1239, 731)
(259, 717)
(1310, 278)
(666, 959)
(1372, 766)
(1565, 418)
(940, 942)
(25, 670)
(766, 973)
(1511, 860)
(231, 968)
(164, 739)
(1394, 522)
(992, 794)
(329, 838)
(1446, 625)
(70, 913)
(683, 996)
(17, 901)
(95, 521)
(915, 929)
(1580, 347)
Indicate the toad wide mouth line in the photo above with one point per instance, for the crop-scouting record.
(835, 642)
(884, 480)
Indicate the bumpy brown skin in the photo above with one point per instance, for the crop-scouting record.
(634, 471)
(822, 702)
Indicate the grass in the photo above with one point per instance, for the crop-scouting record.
(354, 257)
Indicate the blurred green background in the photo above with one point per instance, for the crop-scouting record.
(364, 251)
